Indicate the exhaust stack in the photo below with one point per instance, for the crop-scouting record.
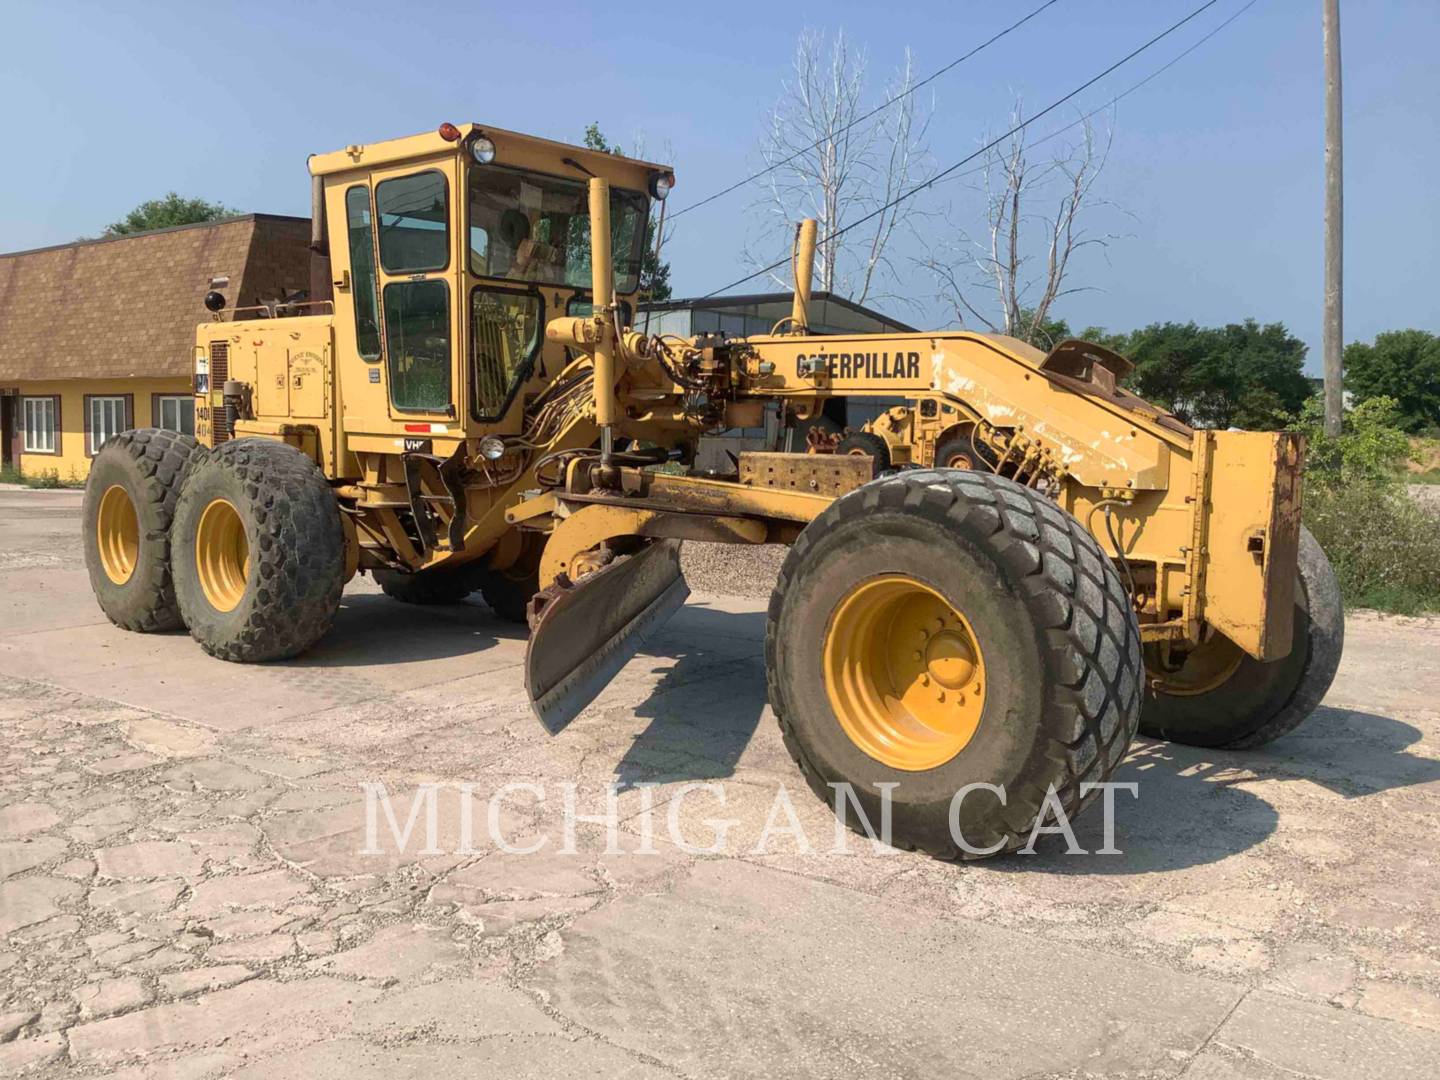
(804, 271)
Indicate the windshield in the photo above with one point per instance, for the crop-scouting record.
(535, 228)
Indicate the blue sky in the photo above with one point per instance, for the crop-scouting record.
(1217, 163)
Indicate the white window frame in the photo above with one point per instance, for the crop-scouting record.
(108, 409)
(40, 438)
(179, 401)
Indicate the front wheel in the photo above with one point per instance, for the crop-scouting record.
(1218, 696)
(258, 552)
(939, 631)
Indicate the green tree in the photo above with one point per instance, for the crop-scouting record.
(654, 274)
(164, 213)
(1401, 364)
(1240, 375)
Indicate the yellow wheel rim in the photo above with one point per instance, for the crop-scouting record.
(1202, 669)
(222, 555)
(904, 673)
(117, 534)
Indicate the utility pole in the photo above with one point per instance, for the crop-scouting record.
(1334, 340)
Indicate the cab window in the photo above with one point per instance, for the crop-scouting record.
(417, 345)
(535, 228)
(414, 228)
(362, 272)
(505, 334)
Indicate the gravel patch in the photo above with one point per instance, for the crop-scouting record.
(1427, 495)
(732, 569)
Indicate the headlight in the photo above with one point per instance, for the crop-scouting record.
(661, 184)
(492, 448)
(482, 150)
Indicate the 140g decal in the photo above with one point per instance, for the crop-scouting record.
(869, 365)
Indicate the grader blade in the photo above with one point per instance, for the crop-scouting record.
(585, 633)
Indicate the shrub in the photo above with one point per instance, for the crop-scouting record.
(50, 478)
(1384, 547)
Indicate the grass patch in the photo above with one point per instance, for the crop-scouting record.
(1429, 476)
(48, 479)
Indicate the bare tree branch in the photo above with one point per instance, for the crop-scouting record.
(829, 164)
(1012, 186)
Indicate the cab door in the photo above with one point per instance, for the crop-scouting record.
(419, 320)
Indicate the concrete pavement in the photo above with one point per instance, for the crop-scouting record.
(185, 889)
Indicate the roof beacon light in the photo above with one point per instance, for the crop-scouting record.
(449, 132)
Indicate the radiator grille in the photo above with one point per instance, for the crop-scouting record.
(219, 372)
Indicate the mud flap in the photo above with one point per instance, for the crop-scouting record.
(583, 634)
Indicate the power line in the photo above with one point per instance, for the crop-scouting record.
(988, 146)
(861, 119)
(1129, 90)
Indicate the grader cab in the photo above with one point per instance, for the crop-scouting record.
(994, 584)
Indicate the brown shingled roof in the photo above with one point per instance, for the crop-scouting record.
(129, 305)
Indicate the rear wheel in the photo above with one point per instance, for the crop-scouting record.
(438, 586)
(130, 499)
(508, 591)
(961, 450)
(1216, 695)
(866, 444)
(939, 629)
(258, 552)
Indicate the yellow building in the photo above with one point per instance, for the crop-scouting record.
(98, 336)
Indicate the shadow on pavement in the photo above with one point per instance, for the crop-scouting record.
(704, 710)
(371, 628)
(1349, 752)
(1193, 807)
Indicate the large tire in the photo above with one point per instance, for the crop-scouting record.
(258, 552)
(1055, 630)
(1259, 702)
(135, 480)
(961, 450)
(508, 591)
(438, 586)
(866, 444)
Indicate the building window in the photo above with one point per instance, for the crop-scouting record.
(105, 416)
(175, 413)
(42, 420)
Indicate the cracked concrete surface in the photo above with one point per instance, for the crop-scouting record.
(183, 892)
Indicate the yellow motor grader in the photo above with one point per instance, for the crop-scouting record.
(995, 584)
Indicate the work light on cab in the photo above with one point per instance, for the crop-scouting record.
(482, 150)
(661, 184)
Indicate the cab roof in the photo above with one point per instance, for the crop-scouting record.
(511, 148)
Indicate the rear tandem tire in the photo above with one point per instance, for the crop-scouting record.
(508, 591)
(135, 481)
(258, 552)
(439, 586)
(1259, 702)
(866, 444)
(1058, 655)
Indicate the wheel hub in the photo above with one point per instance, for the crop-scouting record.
(1205, 667)
(222, 555)
(904, 673)
(117, 534)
